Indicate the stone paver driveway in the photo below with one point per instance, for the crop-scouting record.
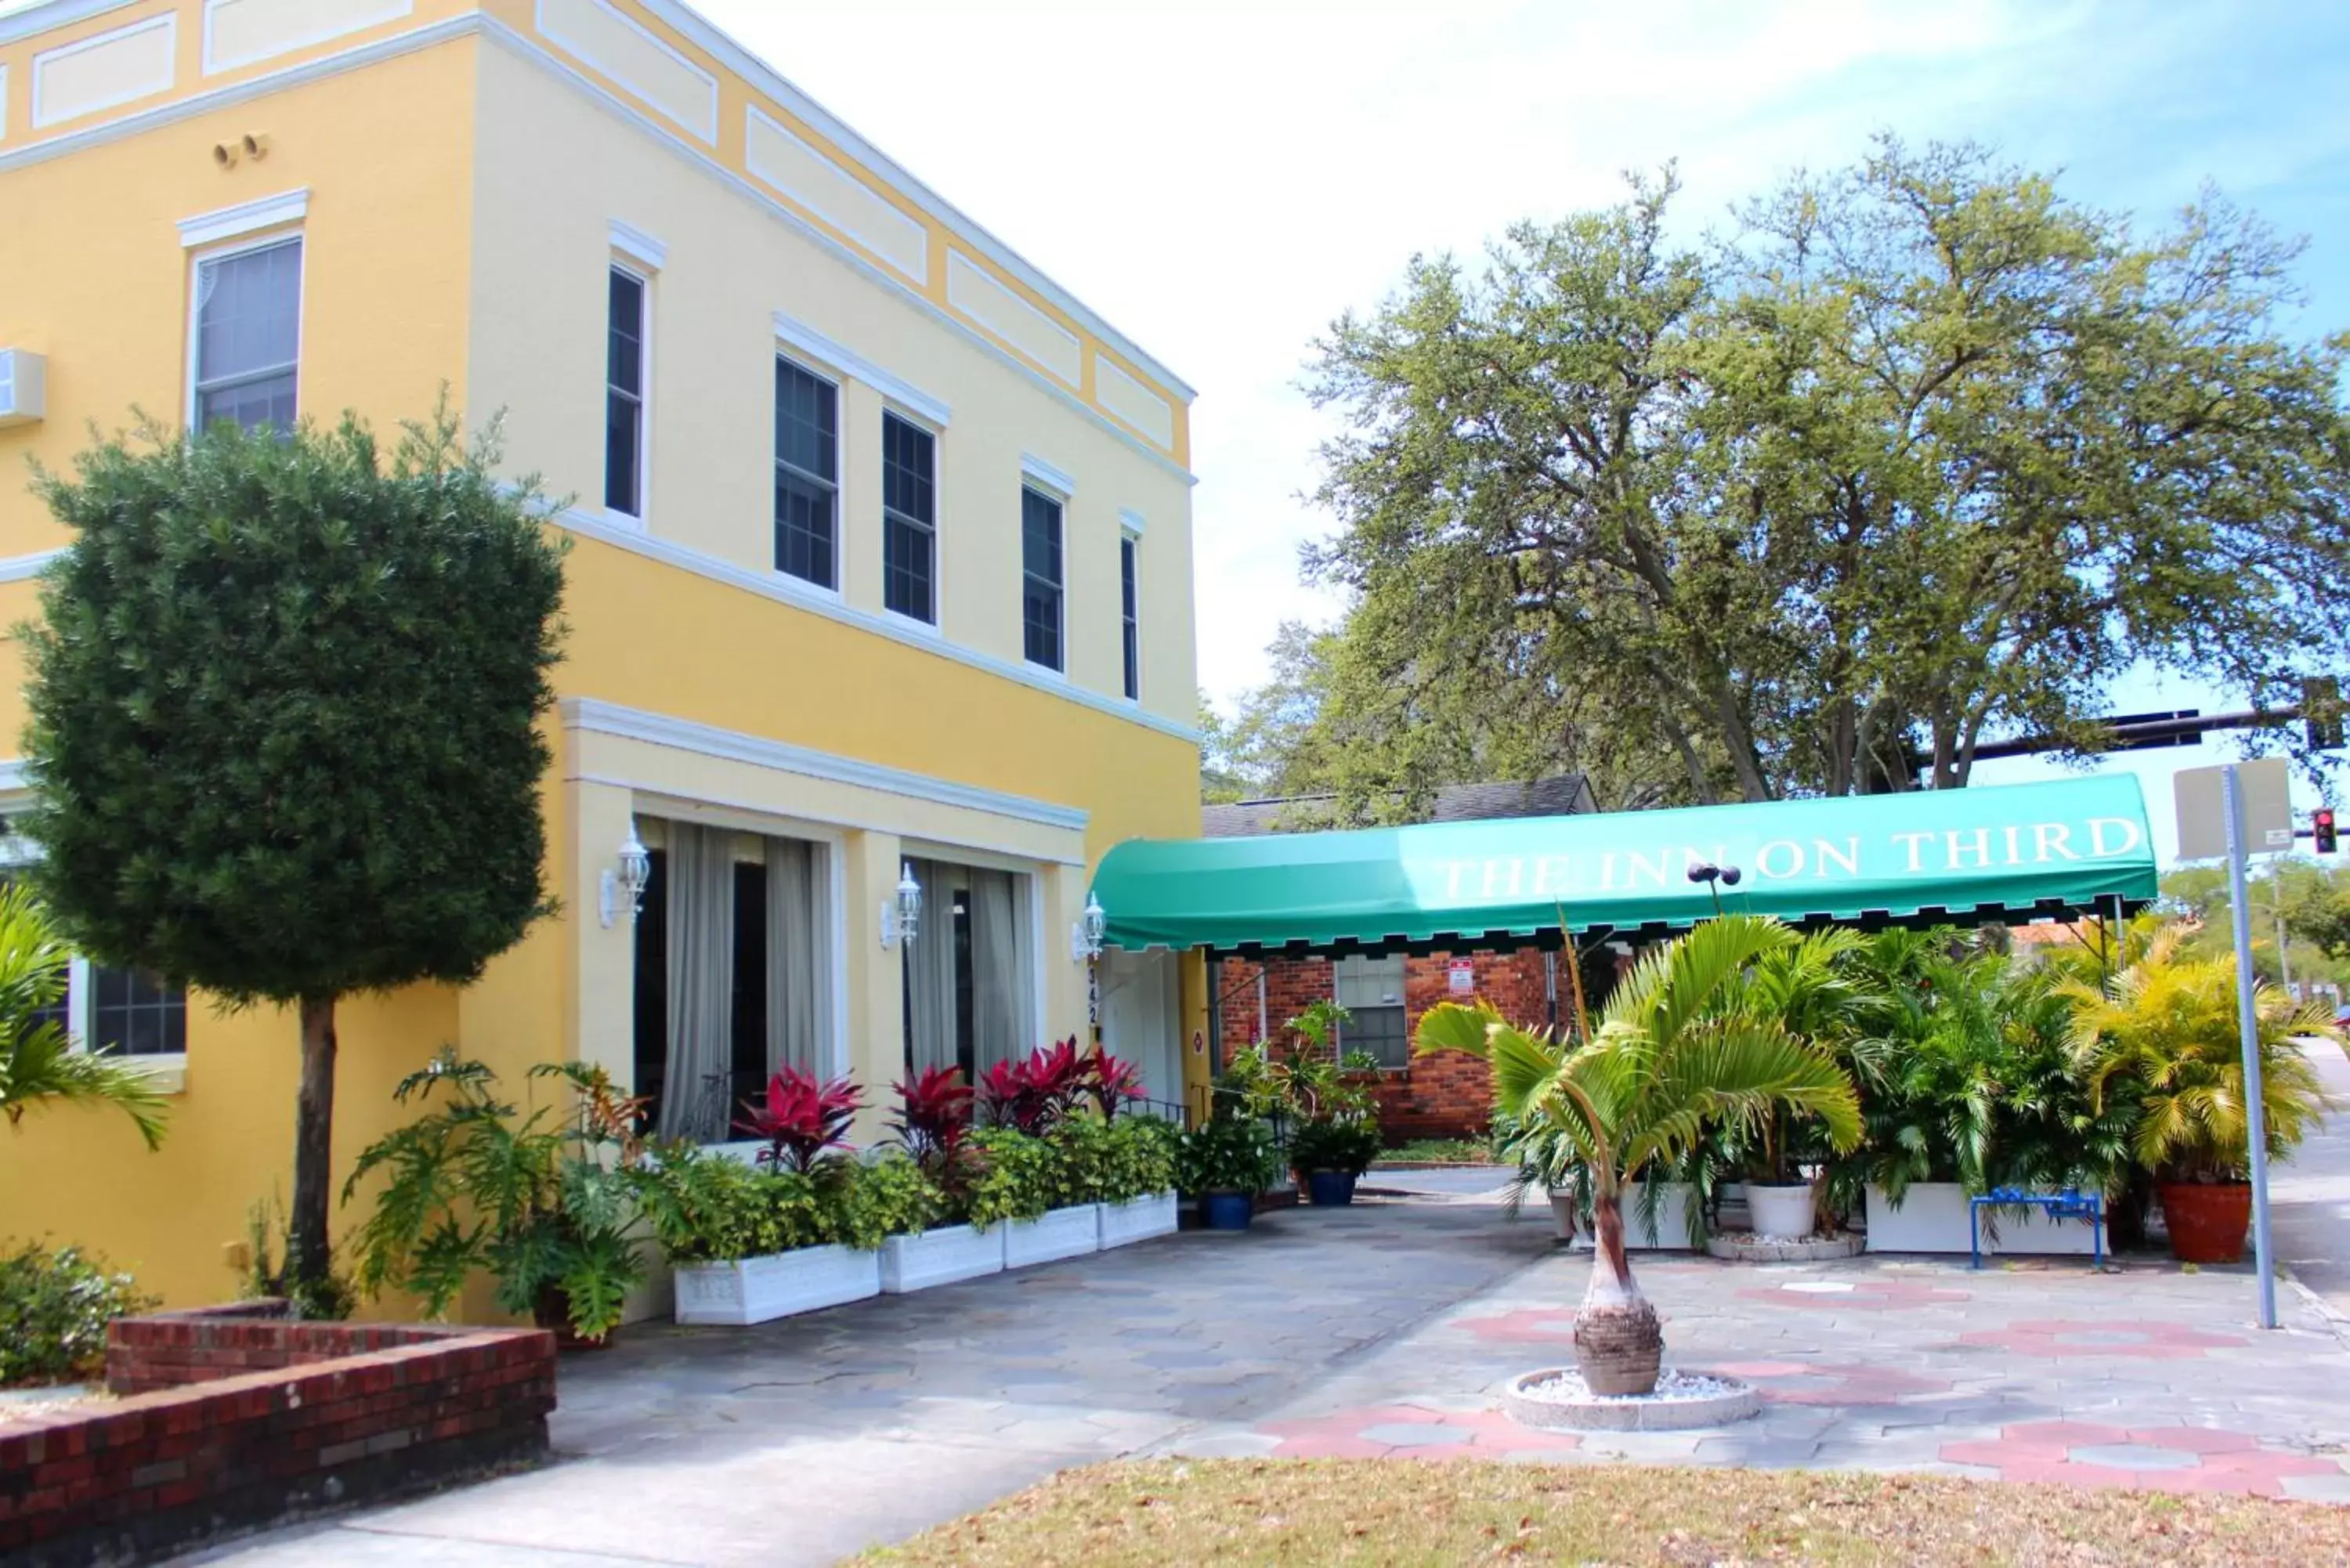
(1382, 1329)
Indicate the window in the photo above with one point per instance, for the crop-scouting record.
(1371, 991)
(126, 1010)
(249, 337)
(1128, 545)
(1040, 591)
(909, 519)
(624, 396)
(808, 474)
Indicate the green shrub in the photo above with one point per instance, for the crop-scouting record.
(54, 1309)
(1020, 1177)
(888, 1197)
(1113, 1161)
(1228, 1154)
(1347, 1144)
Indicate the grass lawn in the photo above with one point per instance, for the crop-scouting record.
(1439, 1151)
(1299, 1512)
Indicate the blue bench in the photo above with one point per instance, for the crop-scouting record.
(2071, 1203)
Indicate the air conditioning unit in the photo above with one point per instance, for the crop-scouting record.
(21, 388)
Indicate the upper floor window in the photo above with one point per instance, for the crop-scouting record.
(1040, 590)
(807, 474)
(624, 395)
(249, 337)
(909, 519)
(1131, 615)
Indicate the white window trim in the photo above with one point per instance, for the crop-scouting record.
(1061, 500)
(1129, 536)
(1038, 474)
(1130, 520)
(639, 247)
(806, 340)
(244, 218)
(640, 520)
(935, 625)
(839, 489)
(167, 1069)
(198, 260)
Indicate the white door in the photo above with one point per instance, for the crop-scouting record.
(1141, 994)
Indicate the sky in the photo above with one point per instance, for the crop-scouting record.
(1220, 179)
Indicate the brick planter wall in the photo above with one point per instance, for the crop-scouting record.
(238, 1417)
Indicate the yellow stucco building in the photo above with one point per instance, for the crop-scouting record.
(881, 565)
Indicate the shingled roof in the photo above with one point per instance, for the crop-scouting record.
(1565, 796)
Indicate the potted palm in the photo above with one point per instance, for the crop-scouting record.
(2168, 1032)
(1636, 1094)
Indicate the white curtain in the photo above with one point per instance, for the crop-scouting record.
(930, 969)
(798, 950)
(696, 1097)
(1002, 1021)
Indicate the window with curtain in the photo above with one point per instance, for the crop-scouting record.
(909, 519)
(1040, 590)
(248, 336)
(969, 973)
(1130, 614)
(807, 467)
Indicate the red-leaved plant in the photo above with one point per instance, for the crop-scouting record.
(802, 1118)
(1035, 1094)
(933, 1124)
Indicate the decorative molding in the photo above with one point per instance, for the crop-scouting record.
(1130, 401)
(1045, 476)
(137, 41)
(668, 552)
(355, 57)
(526, 49)
(22, 568)
(806, 339)
(763, 78)
(981, 296)
(56, 14)
(3, 101)
(1130, 520)
(244, 218)
(638, 245)
(265, 29)
(609, 41)
(807, 176)
(598, 717)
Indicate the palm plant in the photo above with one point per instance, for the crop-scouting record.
(39, 1063)
(1670, 1060)
(2169, 1033)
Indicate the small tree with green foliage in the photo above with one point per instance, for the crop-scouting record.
(284, 699)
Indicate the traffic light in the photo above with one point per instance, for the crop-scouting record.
(2321, 829)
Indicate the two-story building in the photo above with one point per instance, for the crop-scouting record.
(882, 564)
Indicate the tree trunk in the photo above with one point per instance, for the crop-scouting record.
(1619, 1344)
(308, 1255)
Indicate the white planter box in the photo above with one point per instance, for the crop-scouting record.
(1672, 1232)
(939, 1257)
(756, 1290)
(1059, 1233)
(1137, 1220)
(1933, 1218)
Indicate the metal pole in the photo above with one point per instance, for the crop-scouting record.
(2247, 1028)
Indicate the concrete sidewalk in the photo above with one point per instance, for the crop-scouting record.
(2309, 1196)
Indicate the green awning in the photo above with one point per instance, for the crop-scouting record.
(2010, 853)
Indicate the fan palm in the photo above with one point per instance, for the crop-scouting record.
(1672, 1057)
(40, 1065)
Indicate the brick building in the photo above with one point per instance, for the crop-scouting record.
(1435, 1096)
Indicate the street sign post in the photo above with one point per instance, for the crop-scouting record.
(2252, 806)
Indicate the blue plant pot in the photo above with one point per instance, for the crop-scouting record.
(1227, 1210)
(1330, 1188)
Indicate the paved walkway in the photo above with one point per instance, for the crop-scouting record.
(2309, 1198)
(1387, 1329)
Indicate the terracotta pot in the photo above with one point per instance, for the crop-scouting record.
(1620, 1348)
(2207, 1220)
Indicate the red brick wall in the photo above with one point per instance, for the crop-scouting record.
(1446, 1095)
(252, 1420)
